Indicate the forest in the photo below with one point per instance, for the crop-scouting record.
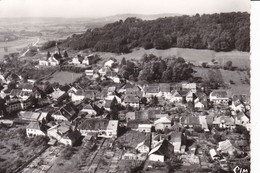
(219, 32)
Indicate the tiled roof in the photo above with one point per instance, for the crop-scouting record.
(131, 99)
(219, 94)
(93, 124)
(34, 125)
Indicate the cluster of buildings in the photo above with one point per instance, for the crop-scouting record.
(71, 112)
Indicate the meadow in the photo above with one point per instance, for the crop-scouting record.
(195, 56)
(64, 77)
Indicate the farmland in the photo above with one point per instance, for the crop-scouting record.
(238, 81)
(16, 148)
(64, 77)
(195, 56)
(15, 46)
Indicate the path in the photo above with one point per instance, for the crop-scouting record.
(38, 39)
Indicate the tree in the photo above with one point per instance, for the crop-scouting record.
(228, 65)
(65, 54)
(48, 54)
(123, 62)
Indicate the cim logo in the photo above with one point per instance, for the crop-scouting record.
(237, 169)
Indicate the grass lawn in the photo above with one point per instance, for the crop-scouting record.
(70, 159)
(64, 77)
(15, 46)
(195, 56)
(238, 81)
(16, 148)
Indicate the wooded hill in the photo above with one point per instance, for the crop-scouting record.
(219, 32)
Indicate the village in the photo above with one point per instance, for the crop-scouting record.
(124, 125)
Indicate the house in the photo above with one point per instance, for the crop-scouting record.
(200, 100)
(190, 121)
(144, 146)
(111, 130)
(177, 139)
(109, 104)
(43, 62)
(145, 128)
(111, 90)
(130, 116)
(112, 97)
(29, 116)
(189, 96)
(80, 95)
(165, 90)
(226, 147)
(134, 90)
(57, 94)
(13, 77)
(176, 97)
(213, 154)
(151, 90)
(65, 113)
(73, 89)
(53, 61)
(75, 61)
(92, 126)
(161, 152)
(89, 109)
(109, 63)
(70, 138)
(162, 123)
(113, 76)
(35, 129)
(26, 87)
(18, 93)
(203, 122)
(224, 122)
(16, 105)
(63, 134)
(219, 97)
(131, 100)
(190, 87)
(89, 73)
(135, 124)
(89, 141)
(243, 120)
(86, 60)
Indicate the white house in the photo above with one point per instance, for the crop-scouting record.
(189, 86)
(219, 97)
(176, 97)
(34, 129)
(75, 61)
(109, 63)
(132, 101)
(162, 123)
(43, 63)
(53, 61)
(89, 72)
(198, 104)
(57, 93)
(144, 128)
(111, 130)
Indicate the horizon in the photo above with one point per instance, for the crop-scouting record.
(90, 9)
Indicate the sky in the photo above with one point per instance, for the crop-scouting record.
(102, 8)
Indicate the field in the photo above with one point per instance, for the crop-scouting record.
(15, 46)
(238, 81)
(195, 56)
(16, 148)
(64, 77)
